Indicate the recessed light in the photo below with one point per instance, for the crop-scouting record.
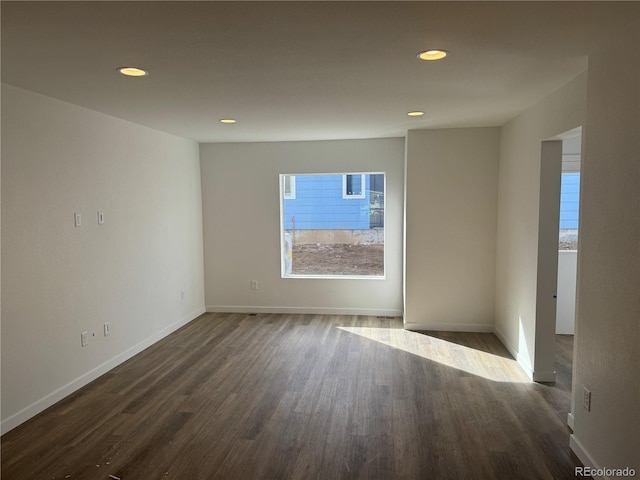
(432, 54)
(417, 113)
(227, 120)
(133, 72)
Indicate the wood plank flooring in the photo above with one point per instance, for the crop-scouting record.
(234, 396)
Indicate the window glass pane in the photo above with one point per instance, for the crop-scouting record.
(289, 186)
(353, 186)
(334, 226)
(569, 211)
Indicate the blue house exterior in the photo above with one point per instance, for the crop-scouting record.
(328, 202)
(569, 200)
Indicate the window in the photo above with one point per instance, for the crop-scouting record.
(333, 225)
(569, 210)
(289, 187)
(353, 186)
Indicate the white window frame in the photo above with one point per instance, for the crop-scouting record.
(363, 187)
(292, 182)
(286, 246)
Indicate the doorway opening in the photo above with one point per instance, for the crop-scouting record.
(568, 235)
(569, 229)
(558, 236)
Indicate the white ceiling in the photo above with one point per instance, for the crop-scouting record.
(302, 70)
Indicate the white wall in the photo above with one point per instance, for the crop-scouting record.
(451, 201)
(607, 348)
(519, 190)
(241, 213)
(566, 305)
(58, 280)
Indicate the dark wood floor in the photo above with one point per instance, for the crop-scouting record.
(233, 396)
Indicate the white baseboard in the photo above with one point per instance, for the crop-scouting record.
(305, 310)
(66, 390)
(544, 377)
(582, 454)
(522, 361)
(503, 339)
(570, 420)
(449, 327)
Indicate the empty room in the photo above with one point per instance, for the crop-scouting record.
(296, 240)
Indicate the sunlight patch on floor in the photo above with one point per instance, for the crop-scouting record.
(476, 362)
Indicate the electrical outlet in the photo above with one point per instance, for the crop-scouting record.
(84, 339)
(254, 285)
(77, 218)
(100, 218)
(586, 399)
(107, 328)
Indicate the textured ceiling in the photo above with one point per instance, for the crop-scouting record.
(302, 70)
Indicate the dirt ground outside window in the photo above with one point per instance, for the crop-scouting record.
(339, 259)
